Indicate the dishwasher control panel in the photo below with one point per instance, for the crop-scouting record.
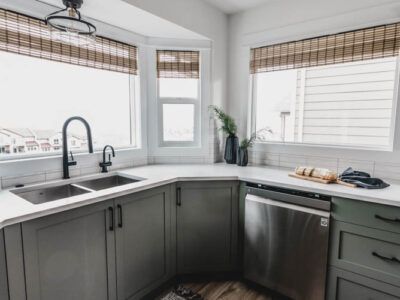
(303, 198)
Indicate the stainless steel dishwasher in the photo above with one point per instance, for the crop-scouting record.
(286, 240)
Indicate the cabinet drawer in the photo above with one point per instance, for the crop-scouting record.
(367, 214)
(364, 251)
(344, 285)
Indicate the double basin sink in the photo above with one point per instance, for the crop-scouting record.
(46, 194)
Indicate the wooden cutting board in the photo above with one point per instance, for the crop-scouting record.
(320, 180)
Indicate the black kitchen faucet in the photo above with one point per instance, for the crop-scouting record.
(104, 164)
(66, 161)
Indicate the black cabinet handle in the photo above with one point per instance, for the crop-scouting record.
(119, 215)
(392, 259)
(397, 220)
(178, 197)
(111, 212)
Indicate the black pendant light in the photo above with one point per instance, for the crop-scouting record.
(68, 26)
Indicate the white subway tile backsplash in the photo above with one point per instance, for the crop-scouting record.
(209, 160)
(140, 161)
(26, 179)
(359, 165)
(89, 170)
(58, 174)
(75, 171)
(54, 175)
(193, 160)
(387, 171)
(323, 162)
(264, 158)
(272, 161)
(121, 165)
(292, 161)
(167, 160)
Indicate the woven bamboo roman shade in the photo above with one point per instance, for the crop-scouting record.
(30, 36)
(178, 64)
(358, 45)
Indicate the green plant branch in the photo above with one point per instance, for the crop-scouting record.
(248, 142)
(228, 124)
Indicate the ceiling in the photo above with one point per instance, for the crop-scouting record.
(130, 18)
(234, 6)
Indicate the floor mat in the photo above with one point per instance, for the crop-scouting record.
(182, 293)
(172, 296)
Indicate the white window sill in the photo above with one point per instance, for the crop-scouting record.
(323, 146)
(77, 153)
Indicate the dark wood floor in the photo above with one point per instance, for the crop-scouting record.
(223, 290)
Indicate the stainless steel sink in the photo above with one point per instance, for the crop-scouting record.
(38, 195)
(106, 182)
(43, 195)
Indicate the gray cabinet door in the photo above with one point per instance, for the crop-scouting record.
(3, 269)
(143, 242)
(344, 285)
(207, 226)
(366, 251)
(15, 262)
(71, 255)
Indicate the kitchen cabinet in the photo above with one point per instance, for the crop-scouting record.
(143, 242)
(207, 226)
(118, 248)
(367, 214)
(364, 250)
(344, 285)
(71, 255)
(364, 255)
(15, 262)
(3, 269)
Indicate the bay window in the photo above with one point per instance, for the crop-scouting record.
(338, 90)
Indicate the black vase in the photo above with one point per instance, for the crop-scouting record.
(231, 149)
(243, 157)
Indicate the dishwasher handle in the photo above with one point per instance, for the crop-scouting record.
(290, 206)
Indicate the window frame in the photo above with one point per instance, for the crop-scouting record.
(197, 102)
(134, 121)
(252, 107)
(137, 118)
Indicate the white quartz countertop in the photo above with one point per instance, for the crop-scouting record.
(14, 209)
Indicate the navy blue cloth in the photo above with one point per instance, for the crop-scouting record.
(362, 179)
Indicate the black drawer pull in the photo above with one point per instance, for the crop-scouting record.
(392, 259)
(397, 220)
(111, 211)
(119, 215)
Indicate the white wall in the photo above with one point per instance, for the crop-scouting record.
(288, 20)
(204, 19)
(208, 21)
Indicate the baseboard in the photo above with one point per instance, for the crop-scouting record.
(214, 276)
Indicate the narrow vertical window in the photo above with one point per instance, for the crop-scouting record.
(178, 77)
